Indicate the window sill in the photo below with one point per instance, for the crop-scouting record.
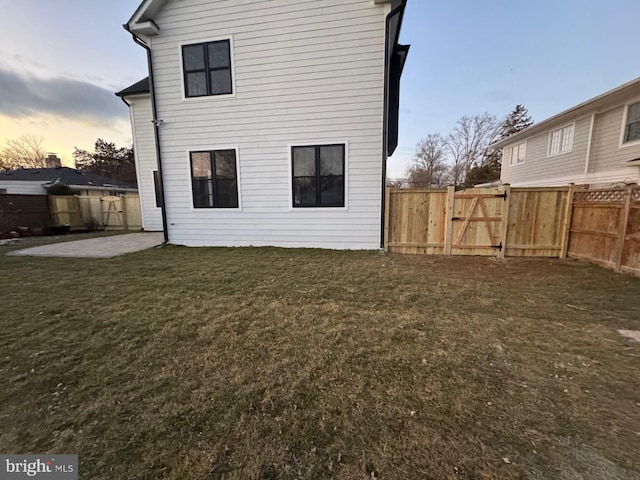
(633, 143)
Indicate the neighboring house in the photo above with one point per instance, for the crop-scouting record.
(595, 143)
(266, 122)
(35, 181)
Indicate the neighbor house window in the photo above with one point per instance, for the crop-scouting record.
(632, 125)
(207, 69)
(214, 179)
(517, 153)
(318, 176)
(561, 140)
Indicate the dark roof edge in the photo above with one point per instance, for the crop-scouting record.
(138, 88)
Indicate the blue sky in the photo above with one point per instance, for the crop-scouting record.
(467, 57)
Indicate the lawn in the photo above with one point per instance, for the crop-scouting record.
(180, 363)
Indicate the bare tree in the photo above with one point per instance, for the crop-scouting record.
(25, 152)
(429, 168)
(469, 142)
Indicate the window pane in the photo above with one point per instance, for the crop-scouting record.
(196, 84)
(202, 179)
(331, 160)
(156, 186)
(193, 57)
(219, 54)
(304, 191)
(220, 82)
(555, 141)
(304, 161)
(567, 139)
(633, 115)
(632, 132)
(332, 191)
(227, 189)
(225, 161)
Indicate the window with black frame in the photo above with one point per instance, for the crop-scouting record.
(318, 175)
(207, 69)
(214, 179)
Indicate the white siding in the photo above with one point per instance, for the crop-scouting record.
(17, 187)
(145, 152)
(305, 72)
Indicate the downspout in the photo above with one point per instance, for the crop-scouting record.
(156, 132)
(397, 8)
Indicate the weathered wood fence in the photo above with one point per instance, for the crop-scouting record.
(598, 225)
(91, 212)
(24, 211)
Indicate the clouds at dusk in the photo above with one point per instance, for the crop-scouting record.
(24, 96)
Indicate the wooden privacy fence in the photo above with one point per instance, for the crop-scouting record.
(481, 221)
(605, 228)
(24, 211)
(90, 212)
(597, 225)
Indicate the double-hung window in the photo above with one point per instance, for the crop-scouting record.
(207, 69)
(561, 140)
(632, 124)
(517, 153)
(318, 175)
(214, 179)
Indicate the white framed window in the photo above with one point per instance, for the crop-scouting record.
(517, 153)
(631, 126)
(561, 140)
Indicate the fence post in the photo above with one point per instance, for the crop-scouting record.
(448, 233)
(623, 229)
(387, 217)
(504, 225)
(568, 215)
(123, 209)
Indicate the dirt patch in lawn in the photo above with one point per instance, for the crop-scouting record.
(267, 363)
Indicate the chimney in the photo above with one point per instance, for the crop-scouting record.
(52, 161)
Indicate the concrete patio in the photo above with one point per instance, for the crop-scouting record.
(103, 247)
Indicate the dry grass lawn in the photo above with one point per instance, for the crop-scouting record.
(180, 363)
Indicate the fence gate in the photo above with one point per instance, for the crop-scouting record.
(474, 222)
(113, 214)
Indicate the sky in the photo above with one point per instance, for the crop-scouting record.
(62, 60)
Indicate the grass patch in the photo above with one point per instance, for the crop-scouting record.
(282, 364)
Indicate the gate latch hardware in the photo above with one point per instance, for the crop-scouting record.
(497, 247)
(503, 195)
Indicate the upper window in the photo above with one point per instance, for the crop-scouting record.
(517, 153)
(207, 69)
(214, 179)
(561, 140)
(632, 125)
(318, 176)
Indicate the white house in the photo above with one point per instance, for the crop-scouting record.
(266, 122)
(596, 143)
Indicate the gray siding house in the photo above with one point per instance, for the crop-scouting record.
(596, 143)
(266, 122)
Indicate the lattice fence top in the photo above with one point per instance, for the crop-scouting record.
(601, 196)
(635, 195)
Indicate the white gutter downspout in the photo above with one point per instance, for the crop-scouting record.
(588, 159)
